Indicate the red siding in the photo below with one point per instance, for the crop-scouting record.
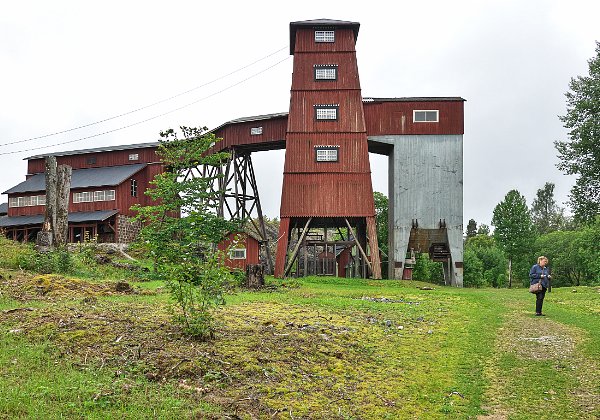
(239, 133)
(123, 199)
(352, 153)
(397, 118)
(305, 42)
(113, 158)
(327, 195)
(252, 250)
(304, 76)
(302, 111)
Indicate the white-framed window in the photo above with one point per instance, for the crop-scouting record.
(422, 115)
(324, 36)
(326, 153)
(255, 131)
(110, 195)
(134, 156)
(325, 72)
(237, 254)
(27, 201)
(90, 196)
(326, 112)
(99, 195)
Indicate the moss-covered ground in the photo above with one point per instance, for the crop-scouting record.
(320, 348)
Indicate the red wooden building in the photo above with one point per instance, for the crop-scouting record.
(243, 249)
(105, 183)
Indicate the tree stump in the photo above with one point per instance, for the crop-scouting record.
(255, 276)
(44, 241)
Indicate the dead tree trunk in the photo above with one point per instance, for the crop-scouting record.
(45, 239)
(255, 276)
(63, 188)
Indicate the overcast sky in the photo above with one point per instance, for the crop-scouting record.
(65, 64)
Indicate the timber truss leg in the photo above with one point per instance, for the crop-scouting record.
(235, 194)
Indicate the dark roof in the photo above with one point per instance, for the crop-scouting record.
(97, 150)
(38, 219)
(82, 178)
(416, 99)
(3, 208)
(320, 24)
(253, 118)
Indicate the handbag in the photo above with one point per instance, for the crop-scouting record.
(536, 287)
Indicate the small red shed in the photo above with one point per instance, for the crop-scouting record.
(243, 248)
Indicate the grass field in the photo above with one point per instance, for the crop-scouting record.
(322, 348)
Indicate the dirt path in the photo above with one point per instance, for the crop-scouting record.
(538, 351)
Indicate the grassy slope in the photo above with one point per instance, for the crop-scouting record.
(316, 351)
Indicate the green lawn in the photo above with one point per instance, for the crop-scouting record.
(328, 348)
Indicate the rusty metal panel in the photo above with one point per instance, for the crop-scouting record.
(302, 111)
(347, 69)
(388, 118)
(305, 41)
(240, 134)
(327, 195)
(352, 152)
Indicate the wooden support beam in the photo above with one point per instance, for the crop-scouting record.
(360, 248)
(297, 247)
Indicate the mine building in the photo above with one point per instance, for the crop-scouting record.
(105, 183)
(327, 208)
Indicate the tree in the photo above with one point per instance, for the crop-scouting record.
(381, 217)
(580, 154)
(471, 228)
(492, 259)
(183, 247)
(513, 229)
(546, 215)
(483, 229)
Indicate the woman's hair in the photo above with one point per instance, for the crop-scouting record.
(540, 258)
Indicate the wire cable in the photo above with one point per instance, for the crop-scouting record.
(146, 106)
(151, 118)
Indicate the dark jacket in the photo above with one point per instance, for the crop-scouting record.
(536, 273)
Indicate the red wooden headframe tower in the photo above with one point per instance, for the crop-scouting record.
(327, 176)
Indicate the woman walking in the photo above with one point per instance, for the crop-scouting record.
(540, 273)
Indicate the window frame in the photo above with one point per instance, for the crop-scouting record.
(437, 115)
(333, 67)
(256, 131)
(324, 36)
(232, 255)
(335, 107)
(327, 148)
(134, 156)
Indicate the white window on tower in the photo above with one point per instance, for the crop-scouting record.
(134, 156)
(326, 153)
(13, 202)
(324, 36)
(325, 72)
(426, 115)
(255, 131)
(41, 200)
(326, 112)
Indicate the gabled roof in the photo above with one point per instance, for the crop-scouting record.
(3, 208)
(82, 178)
(97, 150)
(320, 24)
(76, 217)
